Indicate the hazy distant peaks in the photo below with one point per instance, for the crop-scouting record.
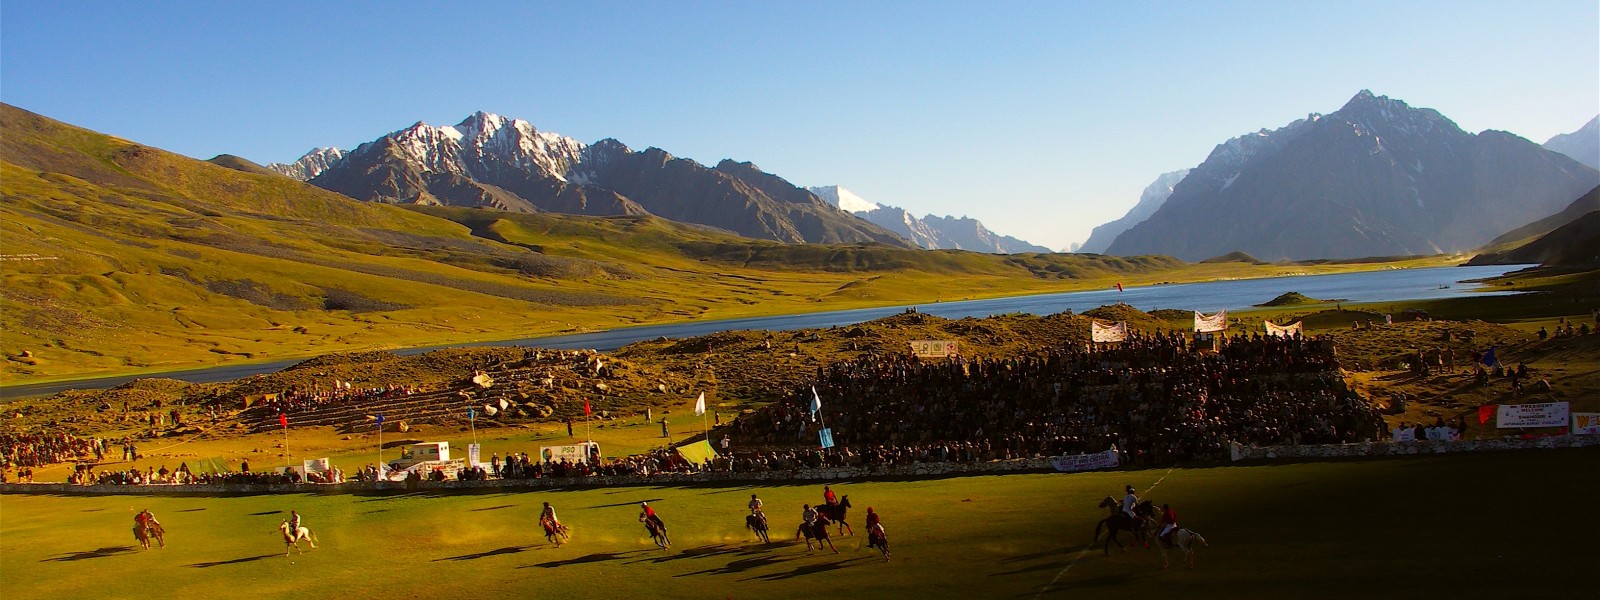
(1582, 145)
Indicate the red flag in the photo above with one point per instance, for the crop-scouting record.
(283, 420)
(1119, 286)
(585, 407)
(1485, 413)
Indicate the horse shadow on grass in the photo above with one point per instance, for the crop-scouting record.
(492, 507)
(587, 558)
(742, 565)
(624, 503)
(811, 569)
(265, 513)
(97, 553)
(236, 561)
(700, 552)
(486, 553)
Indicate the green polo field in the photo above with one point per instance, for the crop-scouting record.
(1504, 525)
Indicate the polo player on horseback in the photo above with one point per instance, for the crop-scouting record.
(294, 520)
(145, 519)
(548, 517)
(808, 518)
(1169, 523)
(1129, 502)
(648, 515)
(755, 509)
(828, 496)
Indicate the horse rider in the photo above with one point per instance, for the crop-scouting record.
(828, 496)
(874, 522)
(808, 517)
(549, 516)
(145, 519)
(755, 507)
(1169, 524)
(294, 521)
(647, 514)
(1130, 501)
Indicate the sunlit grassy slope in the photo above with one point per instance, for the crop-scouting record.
(125, 258)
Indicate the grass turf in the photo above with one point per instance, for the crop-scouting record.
(1423, 526)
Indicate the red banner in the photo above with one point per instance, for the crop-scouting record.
(1485, 413)
(585, 407)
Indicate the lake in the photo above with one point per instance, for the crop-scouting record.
(1208, 297)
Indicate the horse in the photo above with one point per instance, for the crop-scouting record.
(291, 539)
(837, 513)
(818, 530)
(1184, 539)
(555, 532)
(878, 538)
(658, 532)
(758, 524)
(1118, 521)
(144, 532)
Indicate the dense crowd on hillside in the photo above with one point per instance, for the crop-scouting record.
(40, 449)
(1154, 397)
(300, 399)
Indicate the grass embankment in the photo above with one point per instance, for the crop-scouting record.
(1416, 526)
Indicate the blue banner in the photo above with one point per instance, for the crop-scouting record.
(826, 438)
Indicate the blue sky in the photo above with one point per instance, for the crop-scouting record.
(1043, 119)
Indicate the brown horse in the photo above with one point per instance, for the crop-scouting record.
(837, 513)
(818, 530)
(1140, 527)
(555, 532)
(658, 531)
(144, 532)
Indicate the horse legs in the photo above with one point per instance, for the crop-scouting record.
(843, 526)
(830, 545)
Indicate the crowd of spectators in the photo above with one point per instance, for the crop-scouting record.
(40, 449)
(1157, 398)
(301, 399)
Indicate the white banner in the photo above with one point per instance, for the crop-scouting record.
(1585, 423)
(576, 453)
(1216, 322)
(1296, 329)
(1108, 333)
(316, 465)
(1549, 414)
(1085, 462)
(472, 455)
(933, 348)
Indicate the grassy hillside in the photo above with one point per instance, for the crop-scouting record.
(121, 258)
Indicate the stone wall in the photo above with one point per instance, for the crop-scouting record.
(1387, 448)
(1240, 453)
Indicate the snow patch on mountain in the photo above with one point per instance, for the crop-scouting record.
(844, 199)
(311, 164)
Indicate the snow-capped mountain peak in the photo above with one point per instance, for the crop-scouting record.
(844, 199)
(311, 164)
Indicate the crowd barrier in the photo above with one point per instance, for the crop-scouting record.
(1240, 453)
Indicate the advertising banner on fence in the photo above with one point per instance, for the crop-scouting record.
(1206, 324)
(316, 465)
(1548, 414)
(1085, 462)
(576, 453)
(933, 348)
(1108, 333)
(472, 455)
(1585, 423)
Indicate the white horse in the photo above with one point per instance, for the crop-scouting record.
(292, 540)
(1185, 541)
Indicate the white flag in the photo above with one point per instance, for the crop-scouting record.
(816, 404)
(700, 405)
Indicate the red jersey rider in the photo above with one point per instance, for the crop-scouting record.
(1169, 523)
(828, 497)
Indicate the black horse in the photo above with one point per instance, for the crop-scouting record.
(1118, 521)
(878, 538)
(758, 524)
(818, 530)
(837, 513)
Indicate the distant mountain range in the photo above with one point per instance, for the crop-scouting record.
(1375, 178)
(1582, 145)
(1153, 197)
(1570, 237)
(930, 232)
(488, 160)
